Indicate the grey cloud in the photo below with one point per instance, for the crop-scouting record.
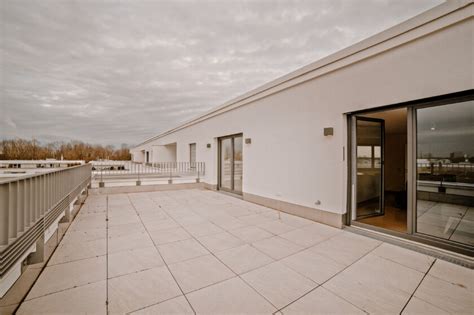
(122, 71)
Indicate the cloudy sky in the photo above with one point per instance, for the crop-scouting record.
(112, 72)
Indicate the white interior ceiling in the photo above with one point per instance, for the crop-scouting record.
(395, 120)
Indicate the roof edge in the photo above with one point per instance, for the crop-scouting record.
(394, 31)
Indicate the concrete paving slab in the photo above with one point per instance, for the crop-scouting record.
(199, 272)
(278, 284)
(232, 296)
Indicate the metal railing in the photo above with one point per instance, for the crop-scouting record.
(127, 169)
(455, 167)
(30, 204)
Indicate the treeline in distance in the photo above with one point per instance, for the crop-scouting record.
(21, 149)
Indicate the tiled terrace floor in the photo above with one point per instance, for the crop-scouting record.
(196, 251)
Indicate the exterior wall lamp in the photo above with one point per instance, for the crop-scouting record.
(328, 131)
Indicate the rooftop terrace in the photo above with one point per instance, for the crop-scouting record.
(199, 251)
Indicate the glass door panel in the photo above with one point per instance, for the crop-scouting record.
(226, 161)
(369, 155)
(238, 164)
(445, 172)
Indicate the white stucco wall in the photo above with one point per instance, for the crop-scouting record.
(289, 158)
(164, 153)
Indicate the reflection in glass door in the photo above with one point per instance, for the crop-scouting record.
(445, 172)
(369, 164)
(226, 163)
(231, 164)
(238, 164)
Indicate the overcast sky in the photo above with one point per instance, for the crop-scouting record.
(112, 72)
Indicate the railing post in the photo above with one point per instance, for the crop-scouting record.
(20, 207)
(139, 182)
(170, 181)
(4, 202)
(101, 183)
(12, 210)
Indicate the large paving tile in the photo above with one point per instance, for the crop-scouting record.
(182, 250)
(178, 305)
(70, 251)
(251, 234)
(346, 248)
(203, 229)
(276, 227)
(404, 256)
(141, 289)
(128, 242)
(314, 266)
(94, 221)
(277, 247)
(220, 241)
(152, 215)
(83, 236)
(451, 297)
(200, 272)
(375, 284)
(463, 277)
(243, 258)
(311, 234)
(125, 229)
(228, 222)
(128, 218)
(191, 219)
(69, 275)
(278, 284)
(168, 236)
(256, 219)
(86, 299)
(294, 220)
(420, 307)
(125, 262)
(156, 225)
(321, 301)
(232, 296)
(238, 211)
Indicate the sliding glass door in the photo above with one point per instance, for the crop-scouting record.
(231, 163)
(424, 190)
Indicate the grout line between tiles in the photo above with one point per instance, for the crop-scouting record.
(413, 293)
(340, 271)
(159, 253)
(237, 275)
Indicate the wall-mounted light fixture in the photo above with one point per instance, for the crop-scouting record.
(248, 141)
(329, 131)
(208, 145)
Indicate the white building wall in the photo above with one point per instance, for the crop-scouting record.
(164, 153)
(289, 159)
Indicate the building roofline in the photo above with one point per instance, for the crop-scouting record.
(419, 20)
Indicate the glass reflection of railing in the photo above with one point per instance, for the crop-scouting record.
(446, 172)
